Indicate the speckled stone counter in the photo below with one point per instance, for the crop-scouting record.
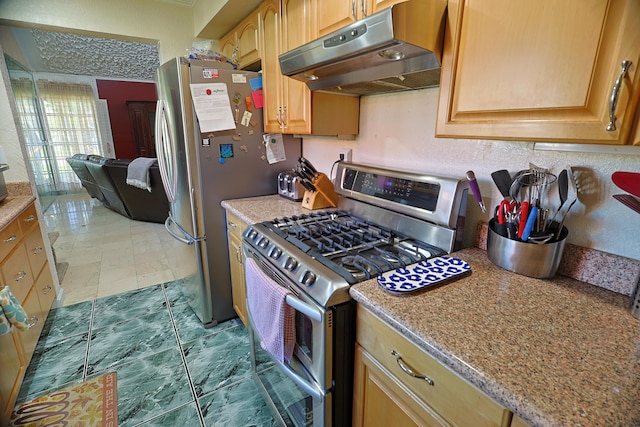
(258, 209)
(556, 352)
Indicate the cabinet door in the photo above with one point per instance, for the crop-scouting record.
(335, 14)
(35, 250)
(271, 75)
(228, 45)
(539, 70)
(13, 368)
(296, 31)
(16, 273)
(380, 400)
(248, 41)
(235, 228)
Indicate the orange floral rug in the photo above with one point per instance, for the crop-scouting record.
(94, 403)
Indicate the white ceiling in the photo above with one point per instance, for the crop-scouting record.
(64, 53)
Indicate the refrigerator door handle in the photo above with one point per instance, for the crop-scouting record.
(169, 180)
(185, 238)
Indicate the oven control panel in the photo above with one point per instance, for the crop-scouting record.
(434, 198)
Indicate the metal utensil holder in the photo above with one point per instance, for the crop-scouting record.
(635, 301)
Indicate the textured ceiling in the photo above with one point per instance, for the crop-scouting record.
(65, 53)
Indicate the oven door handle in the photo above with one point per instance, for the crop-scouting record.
(304, 308)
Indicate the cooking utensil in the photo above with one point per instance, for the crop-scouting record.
(531, 219)
(627, 181)
(473, 184)
(524, 212)
(502, 179)
(629, 201)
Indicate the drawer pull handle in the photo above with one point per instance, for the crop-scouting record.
(33, 321)
(46, 290)
(21, 275)
(231, 224)
(408, 370)
(615, 92)
(30, 218)
(37, 250)
(10, 238)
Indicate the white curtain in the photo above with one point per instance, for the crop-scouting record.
(67, 125)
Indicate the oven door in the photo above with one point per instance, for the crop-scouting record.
(296, 390)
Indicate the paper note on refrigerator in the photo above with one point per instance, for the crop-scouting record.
(274, 147)
(212, 105)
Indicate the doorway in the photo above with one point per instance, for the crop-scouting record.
(143, 118)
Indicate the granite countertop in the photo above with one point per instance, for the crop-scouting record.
(557, 352)
(11, 207)
(265, 208)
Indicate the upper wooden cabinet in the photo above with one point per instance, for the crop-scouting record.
(289, 106)
(540, 70)
(335, 14)
(242, 44)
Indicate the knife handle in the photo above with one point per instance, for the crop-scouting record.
(524, 212)
(529, 225)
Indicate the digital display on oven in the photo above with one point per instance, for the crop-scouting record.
(404, 191)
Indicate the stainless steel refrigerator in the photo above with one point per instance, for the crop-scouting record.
(200, 167)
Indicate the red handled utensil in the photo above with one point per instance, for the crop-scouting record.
(627, 181)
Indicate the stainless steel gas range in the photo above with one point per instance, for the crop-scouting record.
(385, 219)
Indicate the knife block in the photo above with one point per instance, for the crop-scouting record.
(323, 197)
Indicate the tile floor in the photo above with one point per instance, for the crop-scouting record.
(171, 370)
(107, 252)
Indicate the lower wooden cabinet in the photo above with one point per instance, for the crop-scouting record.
(25, 270)
(397, 383)
(235, 228)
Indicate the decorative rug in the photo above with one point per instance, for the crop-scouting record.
(93, 403)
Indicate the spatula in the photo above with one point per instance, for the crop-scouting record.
(627, 181)
(629, 201)
(502, 179)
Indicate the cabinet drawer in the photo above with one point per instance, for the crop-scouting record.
(30, 337)
(9, 238)
(452, 397)
(46, 290)
(235, 225)
(28, 218)
(16, 273)
(35, 250)
(12, 373)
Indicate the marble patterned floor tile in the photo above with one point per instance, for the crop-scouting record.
(190, 327)
(173, 290)
(122, 342)
(186, 415)
(151, 386)
(238, 405)
(128, 305)
(64, 322)
(218, 360)
(54, 366)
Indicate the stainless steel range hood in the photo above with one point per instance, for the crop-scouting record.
(398, 48)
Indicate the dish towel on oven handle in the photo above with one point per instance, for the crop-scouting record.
(273, 318)
(11, 313)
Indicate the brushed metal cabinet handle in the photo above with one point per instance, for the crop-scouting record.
(30, 218)
(615, 93)
(33, 321)
(46, 290)
(408, 370)
(21, 275)
(10, 238)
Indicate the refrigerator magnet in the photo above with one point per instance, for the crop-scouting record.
(246, 119)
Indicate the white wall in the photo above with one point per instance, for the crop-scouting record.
(397, 131)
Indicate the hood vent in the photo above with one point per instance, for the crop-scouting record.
(396, 49)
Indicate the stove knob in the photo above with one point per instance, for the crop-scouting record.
(263, 243)
(275, 253)
(252, 234)
(291, 264)
(308, 278)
